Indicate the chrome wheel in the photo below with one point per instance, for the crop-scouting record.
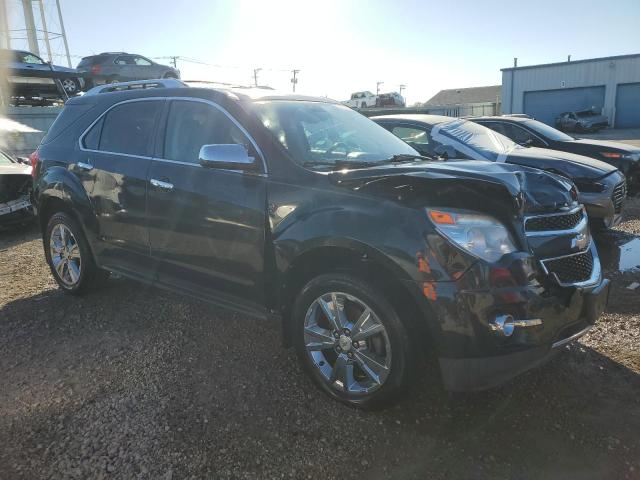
(347, 343)
(69, 85)
(65, 255)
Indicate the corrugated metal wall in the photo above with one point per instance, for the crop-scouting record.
(598, 72)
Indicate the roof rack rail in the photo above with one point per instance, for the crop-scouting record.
(137, 85)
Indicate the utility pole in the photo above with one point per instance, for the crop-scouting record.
(5, 41)
(402, 87)
(294, 80)
(378, 87)
(255, 76)
(174, 62)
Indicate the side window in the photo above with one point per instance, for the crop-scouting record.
(141, 61)
(91, 140)
(193, 124)
(32, 59)
(128, 128)
(124, 60)
(411, 135)
(517, 134)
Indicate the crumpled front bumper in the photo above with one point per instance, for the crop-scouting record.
(564, 320)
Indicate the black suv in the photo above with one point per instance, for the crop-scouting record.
(300, 209)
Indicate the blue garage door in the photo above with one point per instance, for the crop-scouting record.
(546, 105)
(628, 105)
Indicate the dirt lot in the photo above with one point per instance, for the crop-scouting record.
(132, 382)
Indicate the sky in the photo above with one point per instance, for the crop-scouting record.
(346, 46)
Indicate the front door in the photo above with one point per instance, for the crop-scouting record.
(207, 226)
(116, 156)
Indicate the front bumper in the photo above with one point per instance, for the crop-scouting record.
(602, 205)
(16, 211)
(528, 347)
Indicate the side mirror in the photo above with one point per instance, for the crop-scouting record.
(445, 151)
(226, 156)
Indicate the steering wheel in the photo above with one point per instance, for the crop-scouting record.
(336, 145)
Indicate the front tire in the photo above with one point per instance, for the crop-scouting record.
(69, 256)
(351, 341)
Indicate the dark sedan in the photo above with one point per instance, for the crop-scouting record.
(602, 187)
(532, 133)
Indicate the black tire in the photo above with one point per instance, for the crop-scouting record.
(90, 276)
(402, 360)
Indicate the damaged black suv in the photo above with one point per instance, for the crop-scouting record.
(302, 210)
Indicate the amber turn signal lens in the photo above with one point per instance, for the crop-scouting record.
(441, 218)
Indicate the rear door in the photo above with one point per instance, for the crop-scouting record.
(207, 226)
(116, 155)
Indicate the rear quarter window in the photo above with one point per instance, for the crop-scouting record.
(69, 115)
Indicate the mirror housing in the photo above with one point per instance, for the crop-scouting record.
(226, 156)
(445, 151)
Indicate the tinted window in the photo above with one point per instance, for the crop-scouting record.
(128, 128)
(92, 138)
(125, 60)
(194, 124)
(547, 131)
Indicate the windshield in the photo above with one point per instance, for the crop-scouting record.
(4, 159)
(327, 135)
(479, 139)
(547, 131)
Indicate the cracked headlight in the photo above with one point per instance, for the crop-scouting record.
(481, 235)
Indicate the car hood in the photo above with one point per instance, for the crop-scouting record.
(57, 68)
(619, 146)
(477, 185)
(576, 167)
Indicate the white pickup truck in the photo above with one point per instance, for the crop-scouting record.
(362, 100)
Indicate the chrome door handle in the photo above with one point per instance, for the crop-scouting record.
(161, 184)
(85, 166)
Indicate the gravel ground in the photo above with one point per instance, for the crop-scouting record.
(133, 382)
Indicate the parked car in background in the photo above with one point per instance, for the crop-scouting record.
(581, 121)
(15, 190)
(532, 133)
(302, 210)
(392, 99)
(362, 100)
(111, 67)
(30, 76)
(602, 187)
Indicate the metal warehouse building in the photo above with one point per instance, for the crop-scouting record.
(609, 84)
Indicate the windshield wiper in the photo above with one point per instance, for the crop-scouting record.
(407, 157)
(340, 164)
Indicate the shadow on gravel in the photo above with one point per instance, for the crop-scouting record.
(17, 234)
(132, 381)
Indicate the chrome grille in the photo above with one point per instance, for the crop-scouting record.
(553, 222)
(619, 194)
(571, 269)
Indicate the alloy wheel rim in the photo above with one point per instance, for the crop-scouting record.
(65, 255)
(347, 343)
(69, 85)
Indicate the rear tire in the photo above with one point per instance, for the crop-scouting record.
(364, 357)
(69, 256)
